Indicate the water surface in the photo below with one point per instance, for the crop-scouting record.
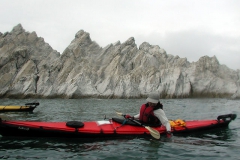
(212, 145)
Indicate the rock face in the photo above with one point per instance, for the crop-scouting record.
(29, 67)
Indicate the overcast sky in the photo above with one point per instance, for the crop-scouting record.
(188, 28)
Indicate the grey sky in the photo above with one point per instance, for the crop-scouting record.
(188, 28)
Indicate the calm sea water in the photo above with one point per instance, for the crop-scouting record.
(214, 145)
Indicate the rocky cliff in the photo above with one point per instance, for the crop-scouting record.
(29, 67)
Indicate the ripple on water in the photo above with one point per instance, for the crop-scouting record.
(212, 145)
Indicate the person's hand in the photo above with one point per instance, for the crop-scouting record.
(128, 116)
(169, 134)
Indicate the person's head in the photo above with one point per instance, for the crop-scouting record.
(153, 98)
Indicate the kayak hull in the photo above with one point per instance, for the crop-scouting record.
(100, 129)
(16, 108)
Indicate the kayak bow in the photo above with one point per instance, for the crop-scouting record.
(29, 107)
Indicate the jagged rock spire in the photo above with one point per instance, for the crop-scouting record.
(29, 67)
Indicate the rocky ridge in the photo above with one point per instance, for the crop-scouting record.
(29, 67)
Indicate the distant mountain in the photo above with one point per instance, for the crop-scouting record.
(29, 68)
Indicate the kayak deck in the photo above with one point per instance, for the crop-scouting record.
(98, 129)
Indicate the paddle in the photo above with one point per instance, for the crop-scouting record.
(152, 131)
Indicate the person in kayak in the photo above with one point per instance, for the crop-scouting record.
(152, 113)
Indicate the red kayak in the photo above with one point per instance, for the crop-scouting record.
(114, 127)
